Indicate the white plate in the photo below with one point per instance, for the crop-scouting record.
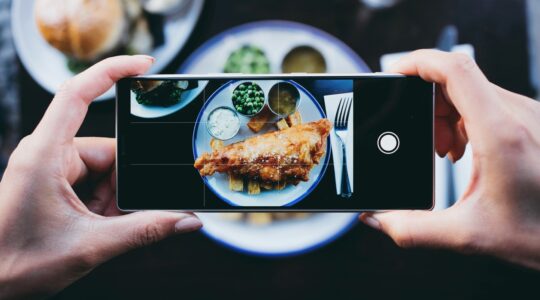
(310, 110)
(281, 238)
(49, 67)
(287, 237)
(275, 38)
(148, 111)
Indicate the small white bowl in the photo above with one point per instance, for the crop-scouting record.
(235, 114)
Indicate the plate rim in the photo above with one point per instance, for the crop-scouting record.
(188, 63)
(353, 221)
(326, 159)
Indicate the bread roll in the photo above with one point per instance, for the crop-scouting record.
(82, 29)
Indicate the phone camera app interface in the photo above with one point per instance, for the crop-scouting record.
(266, 143)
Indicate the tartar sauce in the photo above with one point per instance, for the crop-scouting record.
(223, 123)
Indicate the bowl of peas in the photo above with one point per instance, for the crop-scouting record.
(248, 99)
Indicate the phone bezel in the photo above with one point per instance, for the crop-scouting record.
(292, 76)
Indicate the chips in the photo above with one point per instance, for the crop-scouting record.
(236, 183)
(260, 120)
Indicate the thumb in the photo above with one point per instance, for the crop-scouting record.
(117, 235)
(414, 228)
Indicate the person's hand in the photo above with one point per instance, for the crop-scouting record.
(499, 213)
(51, 235)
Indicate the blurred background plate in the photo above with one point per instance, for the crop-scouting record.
(276, 39)
(280, 238)
(149, 111)
(49, 67)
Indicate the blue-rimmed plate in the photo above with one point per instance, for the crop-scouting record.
(310, 110)
(280, 238)
(276, 39)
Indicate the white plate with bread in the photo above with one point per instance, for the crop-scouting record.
(55, 38)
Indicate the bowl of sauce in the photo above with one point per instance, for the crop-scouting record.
(223, 123)
(303, 59)
(283, 99)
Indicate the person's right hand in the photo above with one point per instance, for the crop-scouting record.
(499, 213)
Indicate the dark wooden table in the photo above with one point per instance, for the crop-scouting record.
(363, 262)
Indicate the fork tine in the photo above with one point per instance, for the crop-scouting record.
(338, 111)
(343, 113)
(347, 112)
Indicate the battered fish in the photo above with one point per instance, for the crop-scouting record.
(281, 156)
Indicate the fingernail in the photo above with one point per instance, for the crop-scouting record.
(150, 58)
(371, 222)
(187, 224)
(395, 67)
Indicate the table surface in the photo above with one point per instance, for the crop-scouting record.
(363, 262)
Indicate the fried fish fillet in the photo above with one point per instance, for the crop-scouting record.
(281, 156)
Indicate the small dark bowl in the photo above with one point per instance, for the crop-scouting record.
(283, 86)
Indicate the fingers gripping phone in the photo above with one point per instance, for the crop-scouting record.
(275, 142)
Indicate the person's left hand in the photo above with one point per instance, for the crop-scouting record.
(58, 215)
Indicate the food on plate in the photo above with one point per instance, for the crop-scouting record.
(259, 121)
(261, 219)
(247, 59)
(289, 121)
(266, 185)
(282, 124)
(216, 144)
(303, 59)
(161, 92)
(223, 123)
(253, 187)
(283, 98)
(87, 31)
(248, 98)
(294, 119)
(278, 157)
(236, 183)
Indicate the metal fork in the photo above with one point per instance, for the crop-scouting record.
(340, 128)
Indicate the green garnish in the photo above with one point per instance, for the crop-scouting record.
(248, 98)
(165, 93)
(77, 66)
(249, 60)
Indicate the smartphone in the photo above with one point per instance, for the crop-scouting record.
(318, 142)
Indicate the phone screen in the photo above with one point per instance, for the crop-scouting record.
(275, 143)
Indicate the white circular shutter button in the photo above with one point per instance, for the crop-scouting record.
(388, 142)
